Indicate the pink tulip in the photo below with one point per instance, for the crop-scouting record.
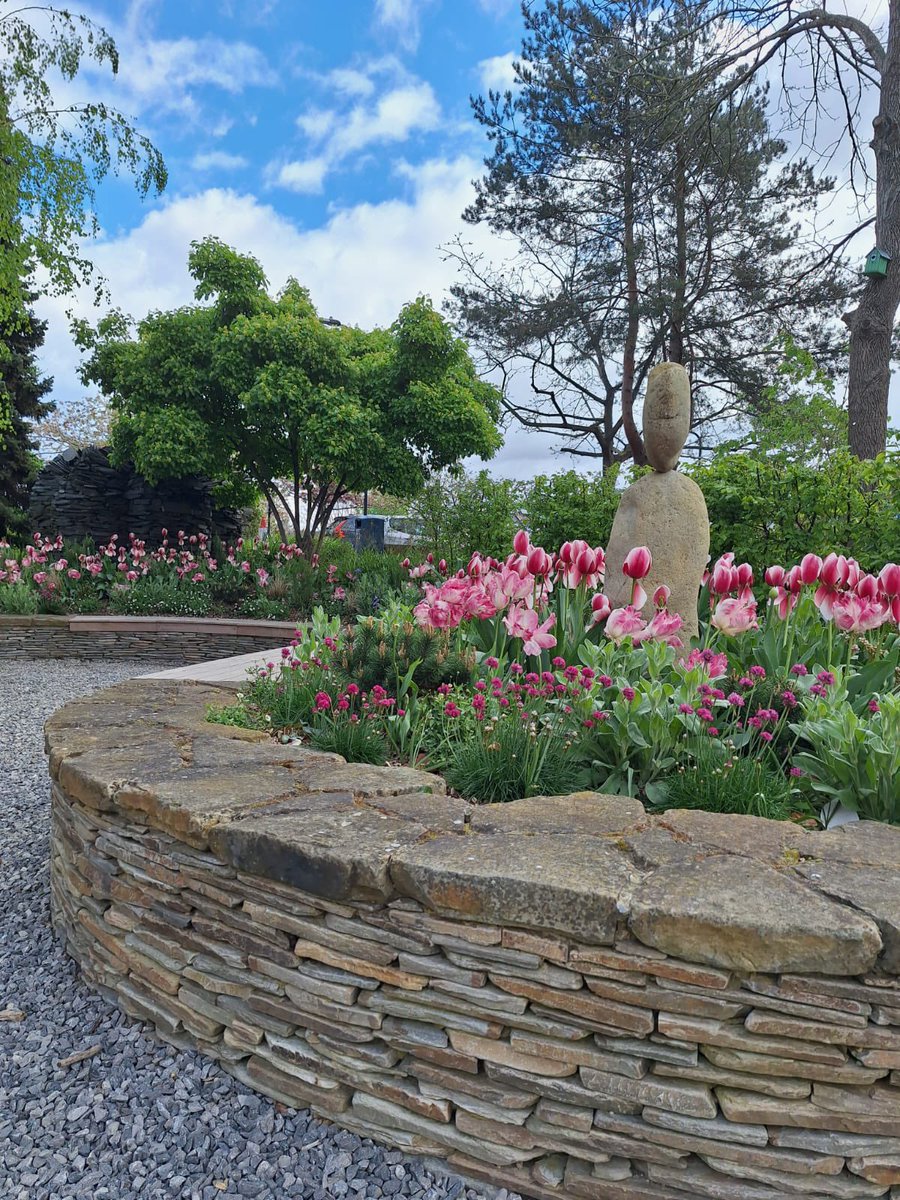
(664, 627)
(538, 561)
(565, 553)
(623, 623)
(835, 570)
(661, 596)
(889, 579)
(733, 616)
(867, 587)
(859, 614)
(774, 575)
(521, 544)
(723, 580)
(638, 563)
(810, 568)
(600, 608)
(714, 665)
(523, 623)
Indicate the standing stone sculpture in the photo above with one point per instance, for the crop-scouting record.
(664, 511)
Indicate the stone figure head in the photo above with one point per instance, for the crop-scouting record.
(667, 415)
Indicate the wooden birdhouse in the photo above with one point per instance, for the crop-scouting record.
(876, 262)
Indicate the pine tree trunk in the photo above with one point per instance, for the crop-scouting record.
(872, 323)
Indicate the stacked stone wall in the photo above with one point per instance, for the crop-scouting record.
(185, 639)
(654, 1016)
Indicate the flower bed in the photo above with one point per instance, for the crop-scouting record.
(518, 678)
(562, 996)
(187, 576)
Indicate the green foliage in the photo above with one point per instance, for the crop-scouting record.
(855, 759)
(18, 600)
(22, 392)
(381, 652)
(358, 742)
(160, 597)
(775, 510)
(255, 390)
(462, 514)
(54, 153)
(511, 760)
(748, 786)
(559, 508)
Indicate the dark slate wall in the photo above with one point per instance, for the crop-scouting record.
(80, 494)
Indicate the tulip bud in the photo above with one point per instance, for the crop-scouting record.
(745, 575)
(723, 579)
(810, 568)
(638, 563)
(889, 578)
(521, 544)
(774, 576)
(442, 567)
(585, 561)
(600, 607)
(538, 561)
(565, 553)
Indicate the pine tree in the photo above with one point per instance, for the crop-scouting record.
(22, 392)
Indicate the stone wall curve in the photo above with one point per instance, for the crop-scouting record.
(561, 996)
(190, 639)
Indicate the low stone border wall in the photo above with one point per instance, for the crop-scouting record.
(191, 639)
(561, 996)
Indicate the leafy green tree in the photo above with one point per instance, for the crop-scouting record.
(558, 508)
(258, 391)
(22, 392)
(462, 514)
(634, 233)
(54, 153)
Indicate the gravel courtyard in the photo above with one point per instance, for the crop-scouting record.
(138, 1119)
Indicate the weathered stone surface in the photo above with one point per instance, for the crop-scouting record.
(730, 912)
(483, 1036)
(764, 1110)
(565, 883)
(866, 843)
(588, 814)
(704, 1072)
(873, 891)
(666, 513)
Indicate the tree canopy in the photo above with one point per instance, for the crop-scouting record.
(22, 398)
(636, 233)
(53, 152)
(255, 390)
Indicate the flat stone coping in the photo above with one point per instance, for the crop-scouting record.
(115, 624)
(739, 893)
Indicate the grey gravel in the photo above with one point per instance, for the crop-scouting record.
(140, 1119)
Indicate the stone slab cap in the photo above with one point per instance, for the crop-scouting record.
(874, 891)
(333, 845)
(593, 814)
(565, 882)
(731, 912)
(775, 842)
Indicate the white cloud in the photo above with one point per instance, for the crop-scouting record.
(497, 73)
(317, 122)
(361, 265)
(400, 18)
(350, 82)
(306, 176)
(406, 108)
(218, 160)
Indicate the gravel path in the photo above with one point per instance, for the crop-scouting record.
(139, 1119)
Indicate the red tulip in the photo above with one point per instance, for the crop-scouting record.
(521, 544)
(810, 568)
(774, 576)
(889, 579)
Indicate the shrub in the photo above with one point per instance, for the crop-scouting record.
(18, 600)
(773, 510)
(565, 506)
(380, 652)
(462, 514)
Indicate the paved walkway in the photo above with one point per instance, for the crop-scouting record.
(220, 670)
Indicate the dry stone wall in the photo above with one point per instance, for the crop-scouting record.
(187, 639)
(561, 996)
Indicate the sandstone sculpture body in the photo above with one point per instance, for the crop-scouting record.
(664, 511)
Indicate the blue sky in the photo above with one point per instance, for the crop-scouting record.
(333, 139)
